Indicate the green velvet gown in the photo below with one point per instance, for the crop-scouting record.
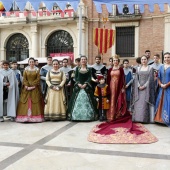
(82, 106)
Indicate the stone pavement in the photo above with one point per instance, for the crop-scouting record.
(64, 146)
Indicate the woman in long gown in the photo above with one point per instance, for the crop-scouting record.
(55, 107)
(119, 128)
(82, 106)
(128, 81)
(116, 82)
(30, 107)
(143, 93)
(162, 107)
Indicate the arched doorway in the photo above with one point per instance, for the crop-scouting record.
(59, 42)
(17, 48)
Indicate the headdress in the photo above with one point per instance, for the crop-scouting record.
(99, 77)
(116, 56)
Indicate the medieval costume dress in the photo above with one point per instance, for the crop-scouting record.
(156, 67)
(119, 128)
(43, 73)
(82, 106)
(55, 107)
(97, 69)
(9, 95)
(30, 106)
(102, 93)
(128, 80)
(116, 82)
(162, 107)
(19, 77)
(143, 100)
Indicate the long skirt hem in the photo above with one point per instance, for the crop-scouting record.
(30, 118)
(55, 116)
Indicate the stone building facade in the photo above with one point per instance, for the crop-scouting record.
(38, 31)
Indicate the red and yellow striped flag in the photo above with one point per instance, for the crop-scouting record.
(103, 39)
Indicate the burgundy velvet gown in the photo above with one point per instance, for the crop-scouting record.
(119, 128)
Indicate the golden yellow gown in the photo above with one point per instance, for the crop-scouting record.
(55, 107)
(30, 107)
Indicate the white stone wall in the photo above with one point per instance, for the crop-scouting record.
(37, 36)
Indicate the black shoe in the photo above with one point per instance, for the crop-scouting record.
(1, 119)
(12, 119)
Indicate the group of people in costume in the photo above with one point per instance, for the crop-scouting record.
(109, 94)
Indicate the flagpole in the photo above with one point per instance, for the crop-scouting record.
(80, 28)
(104, 20)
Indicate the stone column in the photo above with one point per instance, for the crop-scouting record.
(43, 51)
(2, 54)
(34, 37)
(81, 29)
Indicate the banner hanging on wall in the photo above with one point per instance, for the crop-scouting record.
(103, 39)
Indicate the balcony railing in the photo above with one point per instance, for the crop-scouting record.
(69, 13)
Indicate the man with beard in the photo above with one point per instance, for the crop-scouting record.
(98, 69)
(148, 55)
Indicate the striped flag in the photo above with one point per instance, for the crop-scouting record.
(103, 39)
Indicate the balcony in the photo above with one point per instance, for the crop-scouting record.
(124, 17)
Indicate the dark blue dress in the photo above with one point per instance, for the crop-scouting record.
(162, 107)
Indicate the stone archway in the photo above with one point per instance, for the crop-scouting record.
(59, 42)
(17, 47)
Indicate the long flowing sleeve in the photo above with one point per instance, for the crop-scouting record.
(152, 76)
(25, 79)
(48, 80)
(89, 77)
(76, 75)
(63, 80)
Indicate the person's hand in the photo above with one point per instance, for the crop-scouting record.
(126, 87)
(30, 88)
(107, 101)
(97, 99)
(96, 80)
(69, 84)
(57, 88)
(141, 87)
(8, 84)
(123, 90)
(84, 86)
(54, 88)
(80, 85)
(163, 86)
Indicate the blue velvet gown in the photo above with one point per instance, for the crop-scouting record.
(162, 107)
